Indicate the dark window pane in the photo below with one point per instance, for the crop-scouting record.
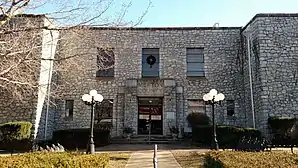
(195, 58)
(195, 62)
(144, 58)
(195, 66)
(195, 73)
(105, 62)
(106, 73)
(230, 107)
(197, 51)
(104, 111)
(147, 69)
(151, 51)
(150, 74)
(69, 108)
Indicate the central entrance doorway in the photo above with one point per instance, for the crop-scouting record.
(150, 116)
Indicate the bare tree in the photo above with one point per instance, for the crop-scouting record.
(22, 39)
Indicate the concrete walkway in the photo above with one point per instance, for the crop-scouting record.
(144, 159)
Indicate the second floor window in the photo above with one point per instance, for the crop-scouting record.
(105, 62)
(195, 62)
(150, 62)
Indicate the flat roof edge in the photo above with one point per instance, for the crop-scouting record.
(268, 15)
(161, 28)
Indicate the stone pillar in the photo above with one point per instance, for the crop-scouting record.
(180, 110)
(131, 105)
(120, 105)
(169, 106)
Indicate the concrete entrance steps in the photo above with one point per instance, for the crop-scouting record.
(144, 139)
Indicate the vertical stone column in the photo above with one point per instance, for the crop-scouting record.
(131, 105)
(179, 109)
(119, 116)
(169, 106)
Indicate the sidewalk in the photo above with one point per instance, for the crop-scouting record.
(144, 159)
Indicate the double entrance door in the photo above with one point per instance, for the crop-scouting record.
(150, 116)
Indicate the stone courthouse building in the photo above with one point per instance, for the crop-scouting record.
(162, 73)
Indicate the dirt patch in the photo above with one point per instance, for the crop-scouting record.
(118, 160)
(189, 159)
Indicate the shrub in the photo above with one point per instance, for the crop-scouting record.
(174, 130)
(196, 119)
(16, 135)
(282, 129)
(55, 159)
(127, 130)
(79, 138)
(227, 136)
(229, 159)
(16, 130)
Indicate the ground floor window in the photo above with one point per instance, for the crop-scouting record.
(69, 104)
(196, 106)
(103, 114)
(230, 107)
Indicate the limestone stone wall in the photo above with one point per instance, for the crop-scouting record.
(221, 51)
(274, 60)
(28, 108)
(251, 79)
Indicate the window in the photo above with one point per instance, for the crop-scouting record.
(150, 62)
(69, 109)
(105, 62)
(195, 62)
(104, 112)
(196, 106)
(230, 107)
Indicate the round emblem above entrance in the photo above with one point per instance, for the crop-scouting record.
(151, 60)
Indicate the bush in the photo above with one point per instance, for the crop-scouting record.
(79, 138)
(196, 119)
(55, 159)
(227, 136)
(128, 130)
(16, 130)
(282, 129)
(174, 130)
(229, 159)
(16, 136)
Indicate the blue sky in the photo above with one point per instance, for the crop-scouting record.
(168, 13)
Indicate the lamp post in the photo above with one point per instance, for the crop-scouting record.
(213, 98)
(91, 99)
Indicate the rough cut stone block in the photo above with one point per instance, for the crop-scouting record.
(131, 83)
(169, 83)
(170, 115)
(179, 89)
